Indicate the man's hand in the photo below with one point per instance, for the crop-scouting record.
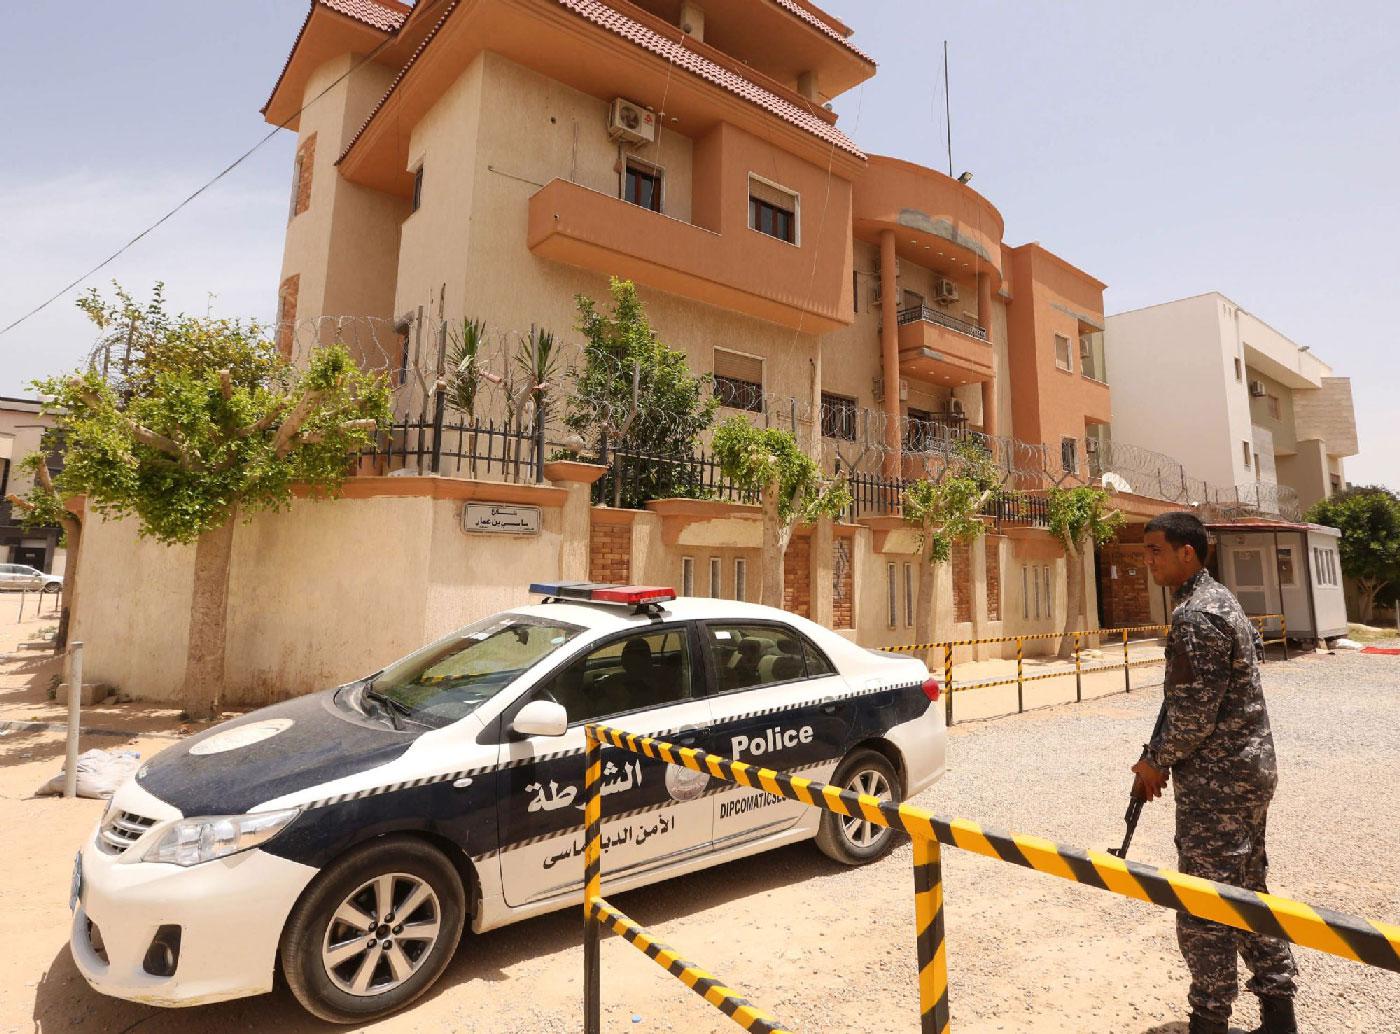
(1149, 781)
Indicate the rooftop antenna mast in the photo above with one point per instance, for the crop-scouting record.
(947, 109)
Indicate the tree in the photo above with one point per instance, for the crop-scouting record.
(1369, 519)
(1079, 518)
(43, 507)
(789, 485)
(211, 425)
(637, 396)
(948, 511)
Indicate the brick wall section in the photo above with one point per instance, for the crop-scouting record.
(1125, 598)
(287, 313)
(962, 581)
(843, 613)
(610, 553)
(797, 577)
(306, 161)
(992, 544)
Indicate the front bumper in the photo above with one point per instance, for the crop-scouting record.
(230, 912)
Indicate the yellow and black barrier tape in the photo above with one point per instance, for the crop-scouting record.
(1258, 619)
(1350, 937)
(740, 1010)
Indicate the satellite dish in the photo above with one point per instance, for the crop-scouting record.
(1116, 483)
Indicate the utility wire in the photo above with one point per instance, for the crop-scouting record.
(209, 183)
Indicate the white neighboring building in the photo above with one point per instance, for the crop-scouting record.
(1258, 416)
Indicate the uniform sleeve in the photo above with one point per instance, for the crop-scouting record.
(1198, 656)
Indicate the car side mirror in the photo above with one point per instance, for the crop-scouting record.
(541, 718)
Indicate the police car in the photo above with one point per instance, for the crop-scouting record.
(348, 836)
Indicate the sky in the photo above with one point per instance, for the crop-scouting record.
(1170, 149)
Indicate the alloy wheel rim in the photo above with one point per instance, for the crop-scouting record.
(861, 832)
(381, 934)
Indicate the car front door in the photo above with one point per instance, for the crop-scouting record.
(9, 576)
(645, 681)
(778, 703)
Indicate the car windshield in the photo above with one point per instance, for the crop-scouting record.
(451, 678)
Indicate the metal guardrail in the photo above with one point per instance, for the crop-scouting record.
(1125, 666)
(924, 314)
(1360, 940)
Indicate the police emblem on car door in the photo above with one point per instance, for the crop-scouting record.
(643, 682)
(779, 704)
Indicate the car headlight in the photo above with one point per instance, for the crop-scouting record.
(191, 841)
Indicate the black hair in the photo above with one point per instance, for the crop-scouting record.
(1182, 528)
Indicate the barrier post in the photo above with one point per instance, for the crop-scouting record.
(593, 884)
(1127, 671)
(75, 703)
(928, 918)
(948, 682)
(1078, 678)
(1020, 657)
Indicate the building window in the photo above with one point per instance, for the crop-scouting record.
(417, 189)
(1286, 578)
(891, 596)
(1035, 588)
(1247, 450)
(741, 579)
(920, 431)
(1069, 455)
(296, 188)
(838, 417)
(739, 380)
(1049, 610)
(1025, 593)
(301, 176)
(1062, 357)
(908, 595)
(855, 290)
(1275, 407)
(715, 575)
(643, 185)
(687, 576)
(772, 210)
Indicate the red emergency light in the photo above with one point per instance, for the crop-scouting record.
(597, 592)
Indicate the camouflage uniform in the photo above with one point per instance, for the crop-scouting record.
(1216, 742)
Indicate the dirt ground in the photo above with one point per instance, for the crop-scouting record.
(822, 947)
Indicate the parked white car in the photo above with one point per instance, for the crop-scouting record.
(347, 837)
(16, 577)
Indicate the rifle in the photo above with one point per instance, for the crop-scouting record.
(1135, 802)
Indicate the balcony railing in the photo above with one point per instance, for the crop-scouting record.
(923, 313)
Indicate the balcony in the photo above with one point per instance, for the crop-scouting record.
(742, 271)
(942, 349)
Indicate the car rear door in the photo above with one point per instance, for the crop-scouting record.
(645, 681)
(778, 703)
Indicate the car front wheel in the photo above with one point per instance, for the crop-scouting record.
(52, 587)
(854, 840)
(374, 931)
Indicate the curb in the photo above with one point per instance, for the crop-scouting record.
(82, 731)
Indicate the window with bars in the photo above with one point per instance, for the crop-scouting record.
(741, 579)
(891, 596)
(908, 595)
(716, 574)
(687, 576)
(772, 210)
(739, 380)
(1069, 455)
(642, 185)
(838, 417)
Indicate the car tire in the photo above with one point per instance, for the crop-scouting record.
(368, 982)
(854, 841)
(50, 588)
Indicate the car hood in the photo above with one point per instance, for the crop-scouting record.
(237, 765)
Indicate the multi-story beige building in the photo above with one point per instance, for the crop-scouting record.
(1261, 418)
(23, 426)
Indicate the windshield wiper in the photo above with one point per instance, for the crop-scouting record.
(391, 707)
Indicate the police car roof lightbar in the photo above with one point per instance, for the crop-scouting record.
(600, 592)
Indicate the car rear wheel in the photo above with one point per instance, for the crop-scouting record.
(52, 587)
(374, 931)
(854, 840)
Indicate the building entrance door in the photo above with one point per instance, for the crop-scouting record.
(1250, 587)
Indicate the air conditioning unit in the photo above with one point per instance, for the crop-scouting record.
(945, 290)
(955, 407)
(631, 123)
(1257, 390)
(877, 389)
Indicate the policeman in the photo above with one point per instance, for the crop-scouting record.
(1215, 741)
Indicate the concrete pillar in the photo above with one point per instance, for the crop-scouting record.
(807, 85)
(984, 320)
(889, 349)
(977, 553)
(820, 568)
(692, 20)
(576, 524)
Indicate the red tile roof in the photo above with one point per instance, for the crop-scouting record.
(386, 16)
(678, 54)
(811, 19)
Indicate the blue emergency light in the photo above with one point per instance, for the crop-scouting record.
(603, 592)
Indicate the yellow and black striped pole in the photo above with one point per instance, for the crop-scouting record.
(592, 883)
(1020, 686)
(1127, 670)
(1361, 940)
(933, 952)
(706, 985)
(1078, 673)
(948, 682)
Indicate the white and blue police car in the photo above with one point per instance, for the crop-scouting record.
(347, 837)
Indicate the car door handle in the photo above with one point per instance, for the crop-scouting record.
(828, 708)
(690, 735)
